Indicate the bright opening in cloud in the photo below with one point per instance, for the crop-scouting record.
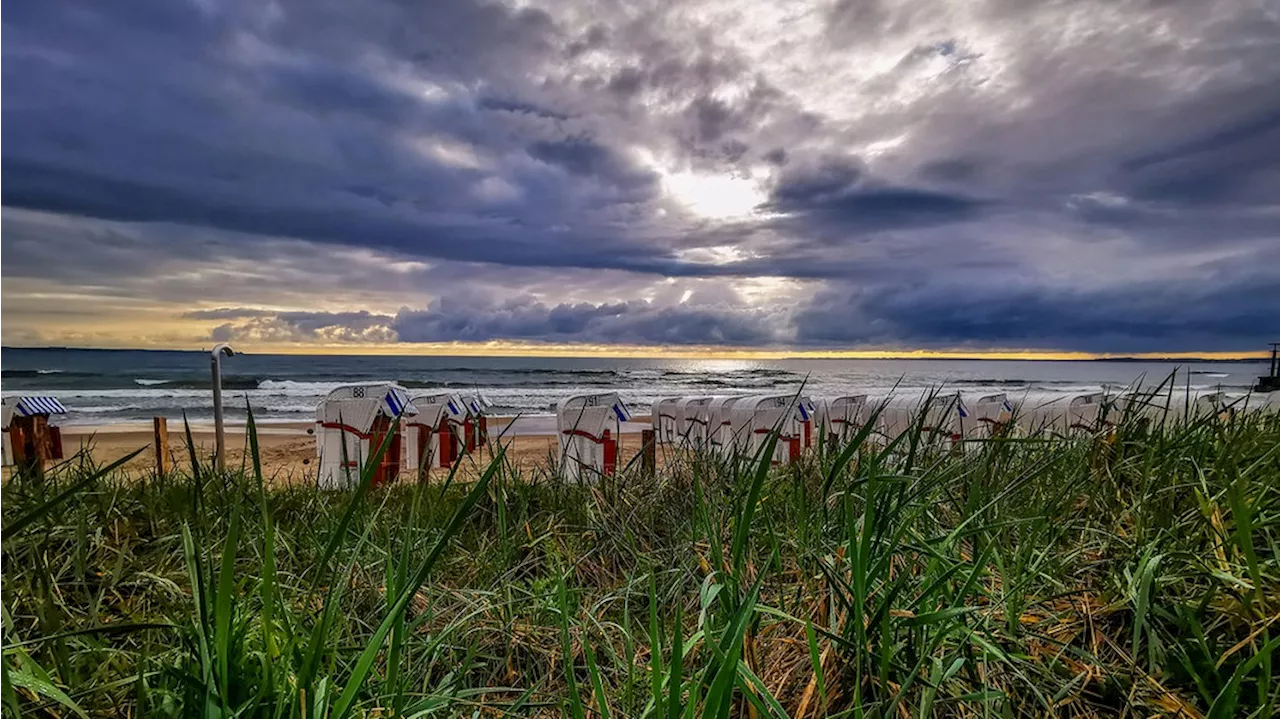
(714, 255)
(715, 197)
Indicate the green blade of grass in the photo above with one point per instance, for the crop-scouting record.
(222, 604)
(576, 709)
(14, 528)
(364, 664)
(815, 664)
(719, 698)
(675, 681)
(32, 677)
(597, 684)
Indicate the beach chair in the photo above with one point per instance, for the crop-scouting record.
(691, 420)
(754, 419)
(435, 437)
(589, 427)
(351, 423)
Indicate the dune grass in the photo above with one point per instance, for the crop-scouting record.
(1129, 573)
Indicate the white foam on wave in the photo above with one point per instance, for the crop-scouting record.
(296, 388)
(108, 408)
(149, 382)
(122, 393)
(291, 408)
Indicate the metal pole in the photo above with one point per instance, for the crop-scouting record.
(215, 363)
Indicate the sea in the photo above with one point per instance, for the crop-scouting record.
(109, 387)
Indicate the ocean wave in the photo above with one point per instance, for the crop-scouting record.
(1010, 382)
(1207, 373)
(149, 382)
(297, 387)
(15, 373)
(537, 371)
(288, 408)
(419, 384)
(109, 408)
(229, 382)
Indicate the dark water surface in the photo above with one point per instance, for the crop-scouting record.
(109, 386)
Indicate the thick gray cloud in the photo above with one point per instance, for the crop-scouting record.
(634, 323)
(334, 327)
(469, 319)
(1152, 316)
(871, 173)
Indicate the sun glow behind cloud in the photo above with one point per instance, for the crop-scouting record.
(714, 197)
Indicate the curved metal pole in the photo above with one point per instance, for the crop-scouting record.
(215, 363)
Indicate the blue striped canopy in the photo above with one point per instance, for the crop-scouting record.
(30, 406)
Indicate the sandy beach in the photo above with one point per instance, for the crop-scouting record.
(288, 450)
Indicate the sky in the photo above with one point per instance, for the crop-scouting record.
(983, 176)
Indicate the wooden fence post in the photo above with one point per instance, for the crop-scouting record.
(649, 451)
(160, 432)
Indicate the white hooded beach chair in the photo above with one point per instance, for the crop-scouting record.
(937, 414)
(434, 437)
(589, 427)
(754, 419)
(720, 435)
(351, 423)
(666, 421)
(691, 420)
(1067, 413)
(839, 418)
(1211, 404)
(985, 415)
(1149, 408)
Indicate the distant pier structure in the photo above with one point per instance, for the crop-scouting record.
(1271, 382)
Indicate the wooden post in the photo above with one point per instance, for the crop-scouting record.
(649, 451)
(19, 431)
(55, 442)
(160, 433)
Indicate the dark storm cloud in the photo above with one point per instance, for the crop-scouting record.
(469, 319)
(635, 322)
(1150, 316)
(838, 192)
(260, 132)
(902, 147)
(1236, 164)
(586, 158)
(255, 325)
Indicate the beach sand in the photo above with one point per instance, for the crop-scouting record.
(288, 452)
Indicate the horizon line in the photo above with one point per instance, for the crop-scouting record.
(708, 353)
